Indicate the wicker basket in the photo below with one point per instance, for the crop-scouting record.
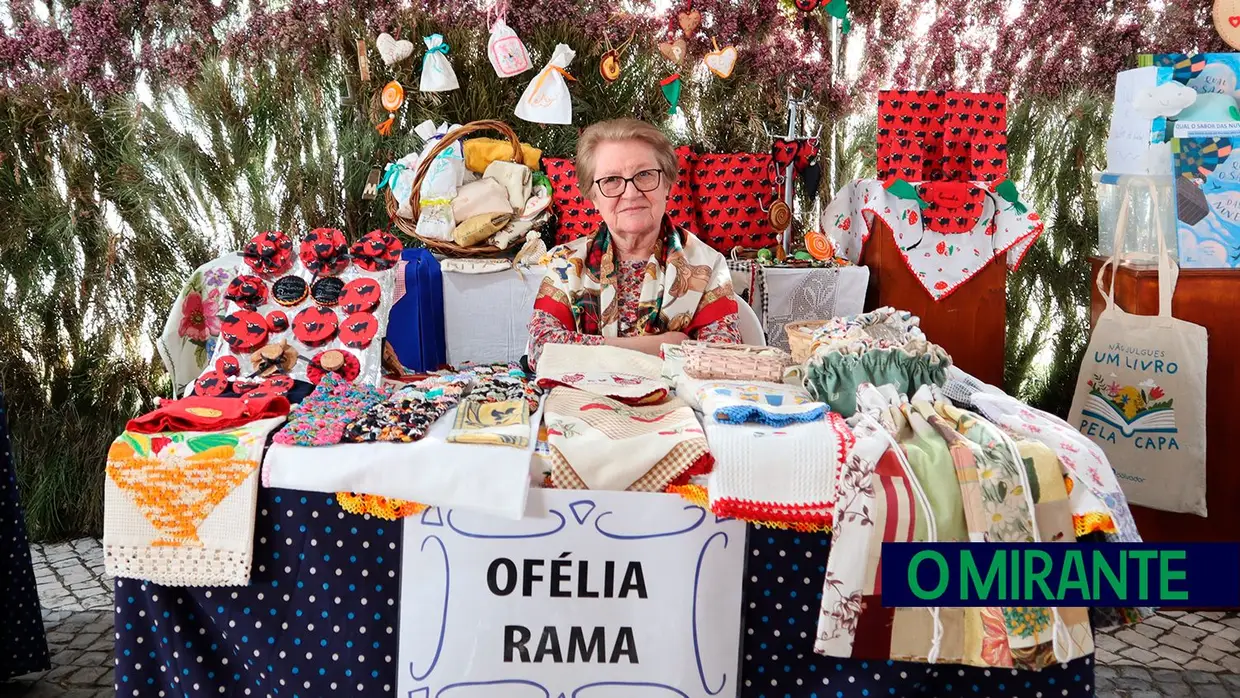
(801, 338)
(409, 225)
(707, 361)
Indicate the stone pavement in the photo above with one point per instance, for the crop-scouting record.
(78, 615)
(1173, 654)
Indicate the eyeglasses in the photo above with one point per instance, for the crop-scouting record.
(613, 187)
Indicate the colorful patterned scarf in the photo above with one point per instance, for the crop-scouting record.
(687, 285)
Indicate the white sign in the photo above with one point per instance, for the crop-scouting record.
(592, 595)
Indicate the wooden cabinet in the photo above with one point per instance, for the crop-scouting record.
(1210, 298)
(971, 324)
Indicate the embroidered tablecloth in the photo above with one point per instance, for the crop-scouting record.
(983, 226)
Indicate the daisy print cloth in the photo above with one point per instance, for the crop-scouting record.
(941, 261)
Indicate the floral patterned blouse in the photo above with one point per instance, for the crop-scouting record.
(545, 328)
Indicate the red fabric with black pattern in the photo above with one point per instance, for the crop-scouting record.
(244, 330)
(349, 371)
(246, 291)
(929, 135)
(955, 207)
(376, 251)
(360, 296)
(269, 253)
(315, 326)
(732, 194)
(358, 330)
(577, 216)
(324, 251)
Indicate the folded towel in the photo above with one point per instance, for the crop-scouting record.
(477, 198)
(772, 404)
(480, 152)
(516, 179)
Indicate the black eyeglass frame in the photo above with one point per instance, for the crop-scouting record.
(629, 180)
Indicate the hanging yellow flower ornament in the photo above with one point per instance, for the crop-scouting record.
(392, 97)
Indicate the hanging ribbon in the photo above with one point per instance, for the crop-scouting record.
(390, 173)
(903, 190)
(1007, 190)
(542, 77)
(441, 47)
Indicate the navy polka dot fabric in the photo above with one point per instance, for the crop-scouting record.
(319, 618)
(23, 645)
(783, 590)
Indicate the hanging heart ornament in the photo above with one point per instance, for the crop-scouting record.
(689, 21)
(391, 50)
(674, 51)
(721, 62)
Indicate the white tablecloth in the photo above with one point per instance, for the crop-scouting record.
(486, 315)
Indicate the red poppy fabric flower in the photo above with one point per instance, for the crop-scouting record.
(269, 253)
(360, 296)
(244, 330)
(324, 251)
(315, 326)
(376, 251)
(351, 369)
(247, 291)
(358, 330)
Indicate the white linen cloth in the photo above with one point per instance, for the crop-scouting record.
(486, 316)
(429, 471)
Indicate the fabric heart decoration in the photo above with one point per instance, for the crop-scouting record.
(1227, 21)
(674, 51)
(391, 50)
(689, 21)
(721, 62)
(784, 151)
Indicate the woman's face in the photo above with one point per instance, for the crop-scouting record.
(633, 212)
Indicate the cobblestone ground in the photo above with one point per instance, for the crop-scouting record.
(77, 614)
(1173, 655)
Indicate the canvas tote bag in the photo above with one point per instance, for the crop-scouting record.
(1141, 393)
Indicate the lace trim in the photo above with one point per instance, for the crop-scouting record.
(379, 507)
(183, 566)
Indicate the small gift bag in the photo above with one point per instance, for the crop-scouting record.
(546, 100)
(506, 51)
(437, 72)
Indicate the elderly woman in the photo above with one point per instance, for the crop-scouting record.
(639, 282)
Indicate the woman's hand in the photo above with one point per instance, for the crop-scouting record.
(648, 344)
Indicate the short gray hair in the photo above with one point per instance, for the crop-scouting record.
(623, 130)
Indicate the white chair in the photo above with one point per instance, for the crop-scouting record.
(751, 328)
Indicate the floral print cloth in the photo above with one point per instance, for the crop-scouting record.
(941, 262)
(685, 286)
(193, 326)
